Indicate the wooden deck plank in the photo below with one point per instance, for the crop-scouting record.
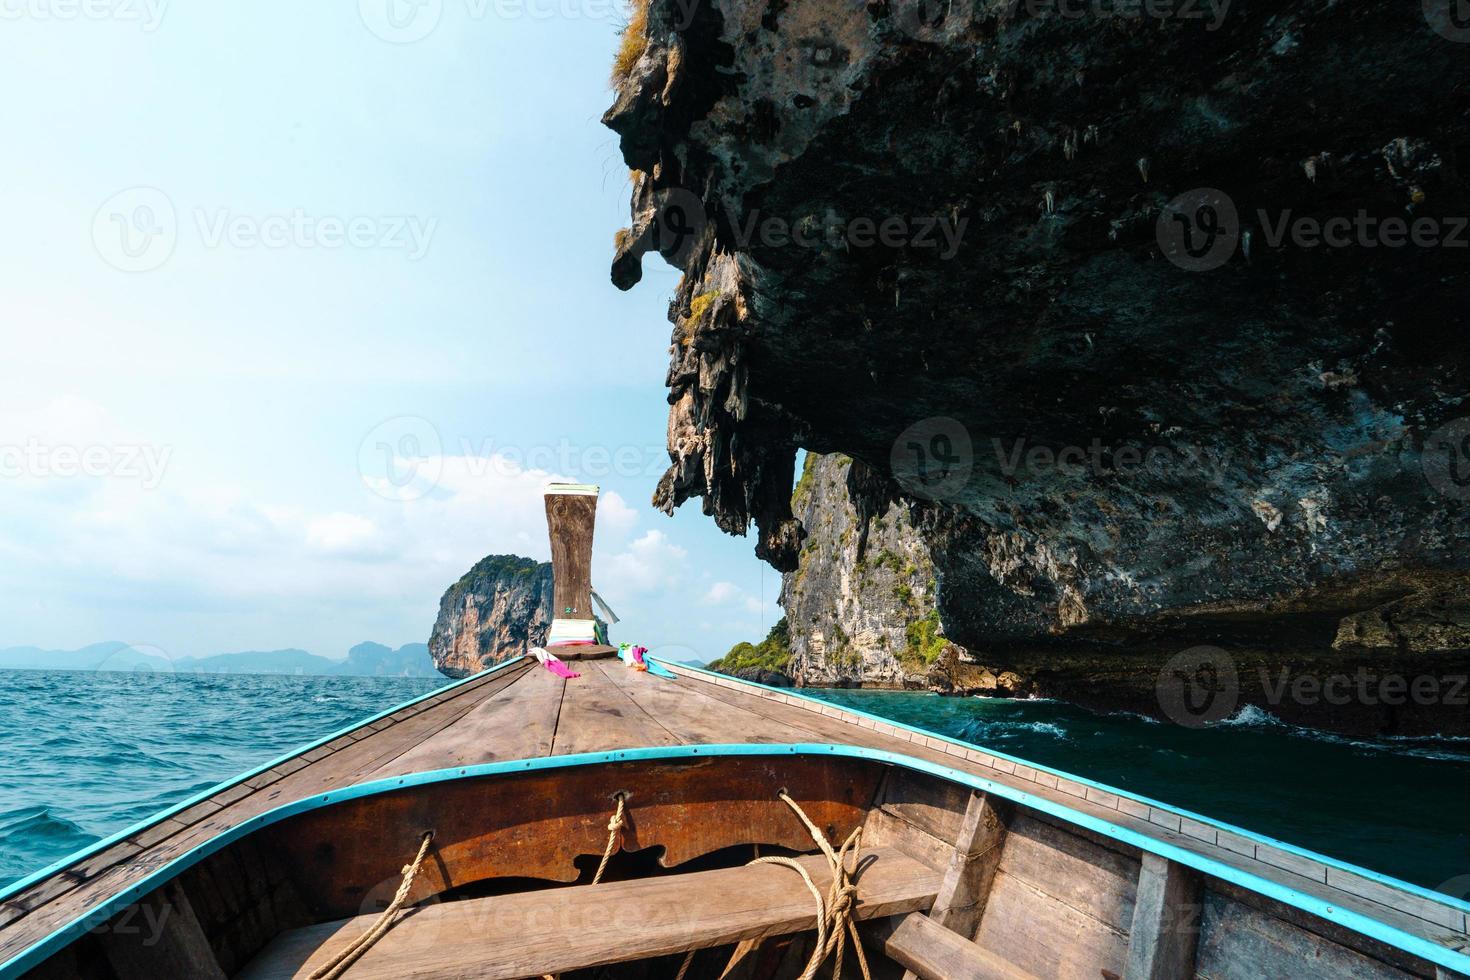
(518, 723)
(597, 716)
(550, 931)
(691, 715)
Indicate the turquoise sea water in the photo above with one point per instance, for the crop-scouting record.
(1397, 806)
(83, 755)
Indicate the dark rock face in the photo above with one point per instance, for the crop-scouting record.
(500, 609)
(968, 253)
(770, 678)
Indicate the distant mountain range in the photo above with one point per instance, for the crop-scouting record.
(363, 660)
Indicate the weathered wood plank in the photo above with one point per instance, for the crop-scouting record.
(596, 717)
(1095, 881)
(518, 723)
(157, 937)
(972, 866)
(928, 950)
(1166, 915)
(690, 715)
(570, 519)
(536, 933)
(1241, 943)
(1043, 935)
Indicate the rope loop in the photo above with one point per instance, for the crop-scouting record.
(835, 923)
(614, 835)
(339, 964)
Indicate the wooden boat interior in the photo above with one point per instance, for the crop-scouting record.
(970, 864)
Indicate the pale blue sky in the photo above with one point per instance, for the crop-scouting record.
(246, 246)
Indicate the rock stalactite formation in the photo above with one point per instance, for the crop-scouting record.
(1054, 280)
(500, 608)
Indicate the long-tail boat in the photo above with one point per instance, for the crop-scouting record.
(673, 822)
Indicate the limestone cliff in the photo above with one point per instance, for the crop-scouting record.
(861, 608)
(862, 601)
(499, 609)
(1029, 271)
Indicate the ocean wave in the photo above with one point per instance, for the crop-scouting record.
(1134, 716)
(1252, 716)
(978, 730)
(1436, 747)
(39, 824)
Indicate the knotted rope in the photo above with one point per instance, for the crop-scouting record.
(834, 910)
(614, 833)
(338, 964)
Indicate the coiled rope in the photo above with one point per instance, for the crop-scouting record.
(338, 964)
(834, 910)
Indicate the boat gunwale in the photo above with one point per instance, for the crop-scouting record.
(16, 887)
(1357, 922)
(1420, 891)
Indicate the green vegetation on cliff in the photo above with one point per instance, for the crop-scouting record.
(498, 567)
(925, 643)
(772, 653)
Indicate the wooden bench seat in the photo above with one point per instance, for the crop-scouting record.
(559, 929)
(932, 952)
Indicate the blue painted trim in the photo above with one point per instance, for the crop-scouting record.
(86, 852)
(1352, 920)
(1407, 886)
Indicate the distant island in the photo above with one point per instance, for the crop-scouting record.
(363, 660)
